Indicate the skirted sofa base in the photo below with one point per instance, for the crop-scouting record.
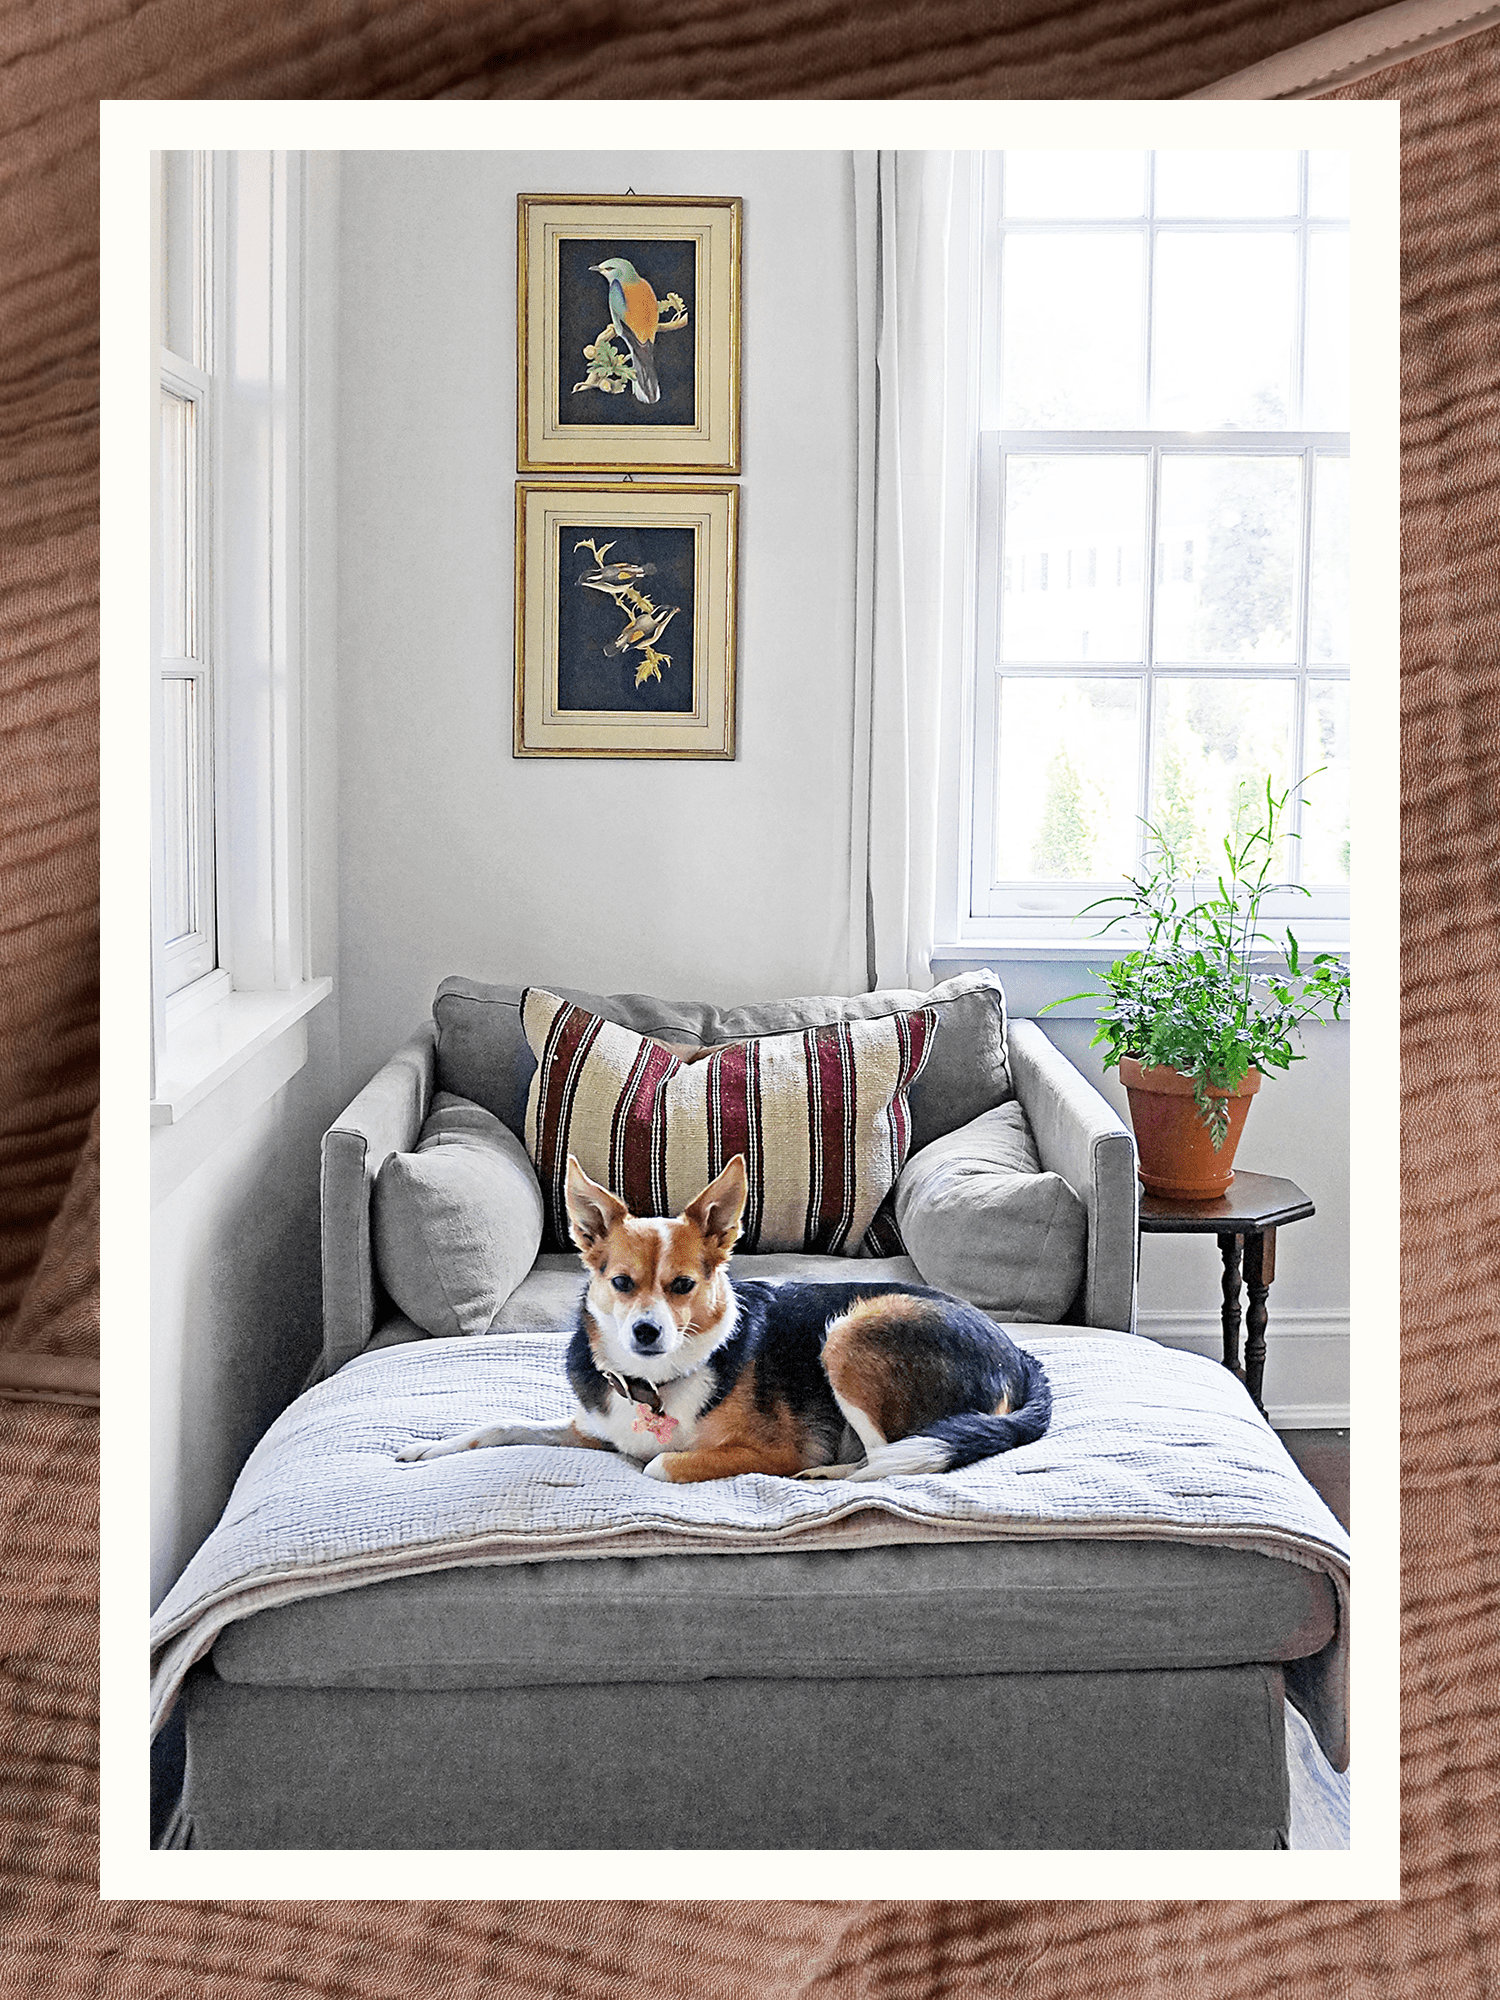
(985, 1695)
(1112, 1760)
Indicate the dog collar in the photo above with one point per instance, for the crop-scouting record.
(635, 1389)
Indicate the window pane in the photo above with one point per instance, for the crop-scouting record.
(1062, 185)
(1072, 571)
(1328, 184)
(182, 257)
(178, 506)
(1328, 612)
(1071, 331)
(1208, 737)
(180, 752)
(1225, 314)
(1325, 797)
(1224, 184)
(1326, 394)
(1226, 559)
(1066, 803)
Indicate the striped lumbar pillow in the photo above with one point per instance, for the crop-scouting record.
(820, 1115)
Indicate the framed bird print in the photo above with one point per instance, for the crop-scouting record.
(628, 333)
(625, 620)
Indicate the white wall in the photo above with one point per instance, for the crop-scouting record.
(717, 881)
(235, 1282)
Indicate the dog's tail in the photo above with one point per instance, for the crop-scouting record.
(970, 1438)
(951, 1442)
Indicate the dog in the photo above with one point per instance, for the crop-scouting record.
(696, 1377)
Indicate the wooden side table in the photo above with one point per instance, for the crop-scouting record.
(1245, 1219)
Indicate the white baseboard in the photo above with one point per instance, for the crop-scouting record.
(1306, 1384)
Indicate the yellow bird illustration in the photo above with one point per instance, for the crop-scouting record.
(611, 578)
(644, 628)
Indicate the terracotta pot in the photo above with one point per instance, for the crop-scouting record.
(1177, 1156)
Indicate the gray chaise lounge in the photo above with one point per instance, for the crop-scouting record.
(959, 1695)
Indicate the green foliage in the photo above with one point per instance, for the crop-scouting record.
(1181, 808)
(1063, 845)
(1190, 997)
(1247, 568)
(610, 367)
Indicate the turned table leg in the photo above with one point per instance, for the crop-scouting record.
(1260, 1269)
(1229, 1245)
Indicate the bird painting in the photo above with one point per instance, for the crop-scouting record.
(645, 627)
(622, 355)
(644, 621)
(611, 578)
(634, 313)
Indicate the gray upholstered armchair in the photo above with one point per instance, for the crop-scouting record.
(1019, 1191)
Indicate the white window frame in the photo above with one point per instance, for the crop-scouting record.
(193, 956)
(1043, 917)
(252, 593)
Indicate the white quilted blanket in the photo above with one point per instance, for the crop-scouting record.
(1145, 1442)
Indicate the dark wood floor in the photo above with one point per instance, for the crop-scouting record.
(1324, 1459)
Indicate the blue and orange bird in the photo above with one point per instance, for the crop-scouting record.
(634, 311)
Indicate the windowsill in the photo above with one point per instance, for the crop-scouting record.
(206, 1049)
(981, 951)
(1040, 973)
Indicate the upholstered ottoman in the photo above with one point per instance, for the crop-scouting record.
(1082, 1644)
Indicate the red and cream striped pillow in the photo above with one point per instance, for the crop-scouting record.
(820, 1115)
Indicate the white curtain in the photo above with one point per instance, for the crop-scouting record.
(903, 205)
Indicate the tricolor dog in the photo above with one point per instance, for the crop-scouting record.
(699, 1378)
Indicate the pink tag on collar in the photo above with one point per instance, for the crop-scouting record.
(660, 1425)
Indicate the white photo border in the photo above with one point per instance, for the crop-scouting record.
(1370, 1868)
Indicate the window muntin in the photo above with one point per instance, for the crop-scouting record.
(1210, 428)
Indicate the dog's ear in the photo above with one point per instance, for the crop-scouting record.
(592, 1210)
(717, 1211)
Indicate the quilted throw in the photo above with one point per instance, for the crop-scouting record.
(1145, 1442)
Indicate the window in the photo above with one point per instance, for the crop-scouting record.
(1163, 521)
(187, 924)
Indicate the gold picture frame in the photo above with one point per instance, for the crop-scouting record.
(625, 620)
(634, 367)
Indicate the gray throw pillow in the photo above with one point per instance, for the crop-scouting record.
(457, 1223)
(980, 1219)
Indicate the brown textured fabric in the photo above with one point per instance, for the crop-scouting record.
(73, 52)
(1444, 1938)
(59, 1312)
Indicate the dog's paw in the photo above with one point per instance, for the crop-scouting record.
(414, 1454)
(656, 1468)
(828, 1471)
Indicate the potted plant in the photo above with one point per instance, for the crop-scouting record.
(1197, 1013)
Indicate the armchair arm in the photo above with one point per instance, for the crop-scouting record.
(1080, 1136)
(385, 1118)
